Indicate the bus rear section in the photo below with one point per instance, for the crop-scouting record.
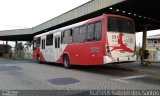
(120, 41)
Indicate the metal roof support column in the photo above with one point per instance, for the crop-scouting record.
(6, 42)
(16, 49)
(144, 41)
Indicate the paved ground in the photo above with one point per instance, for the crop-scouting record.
(27, 75)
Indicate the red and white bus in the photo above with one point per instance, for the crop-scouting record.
(98, 41)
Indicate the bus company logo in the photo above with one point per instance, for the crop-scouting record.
(94, 49)
(115, 37)
(122, 45)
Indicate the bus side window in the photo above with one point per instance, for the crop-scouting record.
(58, 45)
(75, 34)
(49, 40)
(34, 45)
(82, 35)
(62, 35)
(67, 37)
(79, 34)
(55, 41)
(38, 42)
(98, 31)
(90, 32)
(42, 44)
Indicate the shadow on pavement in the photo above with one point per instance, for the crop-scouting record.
(114, 70)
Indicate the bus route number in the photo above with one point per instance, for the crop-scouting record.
(94, 49)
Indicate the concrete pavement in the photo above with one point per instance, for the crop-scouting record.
(27, 75)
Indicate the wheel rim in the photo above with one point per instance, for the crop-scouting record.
(38, 59)
(65, 62)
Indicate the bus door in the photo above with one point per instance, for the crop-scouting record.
(42, 48)
(57, 46)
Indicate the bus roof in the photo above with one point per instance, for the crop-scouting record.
(79, 24)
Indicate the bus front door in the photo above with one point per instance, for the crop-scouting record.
(42, 49)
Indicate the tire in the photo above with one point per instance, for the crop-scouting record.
(66, 62)
(39, 60)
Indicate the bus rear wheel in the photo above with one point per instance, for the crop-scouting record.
(66, 62)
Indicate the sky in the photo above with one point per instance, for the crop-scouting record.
(18, 14)
(29, 13)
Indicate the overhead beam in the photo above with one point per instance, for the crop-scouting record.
(16, 32)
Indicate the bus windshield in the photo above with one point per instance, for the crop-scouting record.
(116, 24)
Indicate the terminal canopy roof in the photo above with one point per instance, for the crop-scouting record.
(142, 11)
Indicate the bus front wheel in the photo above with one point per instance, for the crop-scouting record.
(66, 62)
(39, 60)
